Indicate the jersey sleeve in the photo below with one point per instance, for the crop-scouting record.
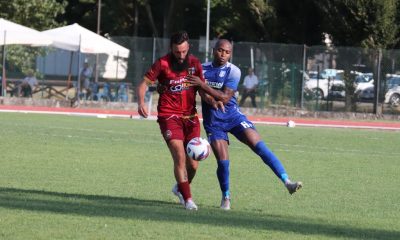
(154, 71)
(199, 70)
(232, 81)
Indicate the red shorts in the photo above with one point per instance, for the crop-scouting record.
(182, 128)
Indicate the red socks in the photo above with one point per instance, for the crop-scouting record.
(184, 189)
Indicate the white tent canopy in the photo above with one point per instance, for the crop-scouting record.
(13, 33)
(77, 38)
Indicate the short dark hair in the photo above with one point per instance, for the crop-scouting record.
(178, 38)
(220, 41)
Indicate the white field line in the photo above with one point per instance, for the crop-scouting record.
(328, 125)
(101, 115)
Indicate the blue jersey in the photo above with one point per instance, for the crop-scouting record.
(219, 78)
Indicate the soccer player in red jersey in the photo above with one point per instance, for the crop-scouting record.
(177, 114)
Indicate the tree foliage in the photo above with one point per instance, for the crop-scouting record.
(37, 14)
(364, 23)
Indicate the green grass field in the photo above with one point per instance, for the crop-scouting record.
(66, 177)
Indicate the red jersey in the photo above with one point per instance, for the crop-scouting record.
(178, 99)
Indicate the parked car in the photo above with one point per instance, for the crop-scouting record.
(330, 80)
(365, 90)
(393, 81)
(392, 96)
(364, 86)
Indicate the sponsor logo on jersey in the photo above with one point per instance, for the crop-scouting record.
(178, 85)
(217, 85)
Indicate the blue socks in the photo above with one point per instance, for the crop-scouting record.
(223, 176)
(266, 155)
(271, 160)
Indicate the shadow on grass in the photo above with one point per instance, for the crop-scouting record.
(132, 208)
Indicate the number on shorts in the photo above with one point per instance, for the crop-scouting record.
(245, 124)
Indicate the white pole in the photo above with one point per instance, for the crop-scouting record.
(208, 29)
(78, 84)
(303, 77)
(116, 73)
(3, 73)
(252, 57)
(150, 103)
(96, 69)
(154, 50)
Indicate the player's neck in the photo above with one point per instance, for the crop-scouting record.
(216, 65)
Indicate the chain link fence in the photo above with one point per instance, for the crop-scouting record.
(315, 78)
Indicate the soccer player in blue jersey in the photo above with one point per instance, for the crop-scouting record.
(221, 116)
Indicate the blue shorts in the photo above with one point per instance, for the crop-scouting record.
(219, 130)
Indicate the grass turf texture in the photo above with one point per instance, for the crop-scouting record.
(68, 177)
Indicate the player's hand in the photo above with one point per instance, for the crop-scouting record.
(220, 105)
(194, 80)
(142, 110)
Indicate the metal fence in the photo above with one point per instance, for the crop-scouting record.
(315, 78)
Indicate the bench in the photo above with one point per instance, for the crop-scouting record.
(54, 88)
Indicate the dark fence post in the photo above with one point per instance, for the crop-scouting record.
(378, 82)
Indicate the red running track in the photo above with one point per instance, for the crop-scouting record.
(311, 122)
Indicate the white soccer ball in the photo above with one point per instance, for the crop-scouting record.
(198, 149)
(291, 124)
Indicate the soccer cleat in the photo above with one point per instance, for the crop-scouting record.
(190, 205)
(293, 187)
(226, 203)
(176, 192)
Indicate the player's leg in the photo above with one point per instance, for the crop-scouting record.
(250, 137)
(172, 130)
(219, 143)
(178, 154)
(177, 150)
(191, 168)
(220, 149)
(191, 129)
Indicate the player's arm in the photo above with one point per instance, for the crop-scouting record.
(141, 91)
(223, 96)
(148, 79)
(211, 101)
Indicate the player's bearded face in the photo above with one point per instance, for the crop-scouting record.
(180, 57)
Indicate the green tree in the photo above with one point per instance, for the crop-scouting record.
(363, 23)
(241, 20)
(37, 14)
